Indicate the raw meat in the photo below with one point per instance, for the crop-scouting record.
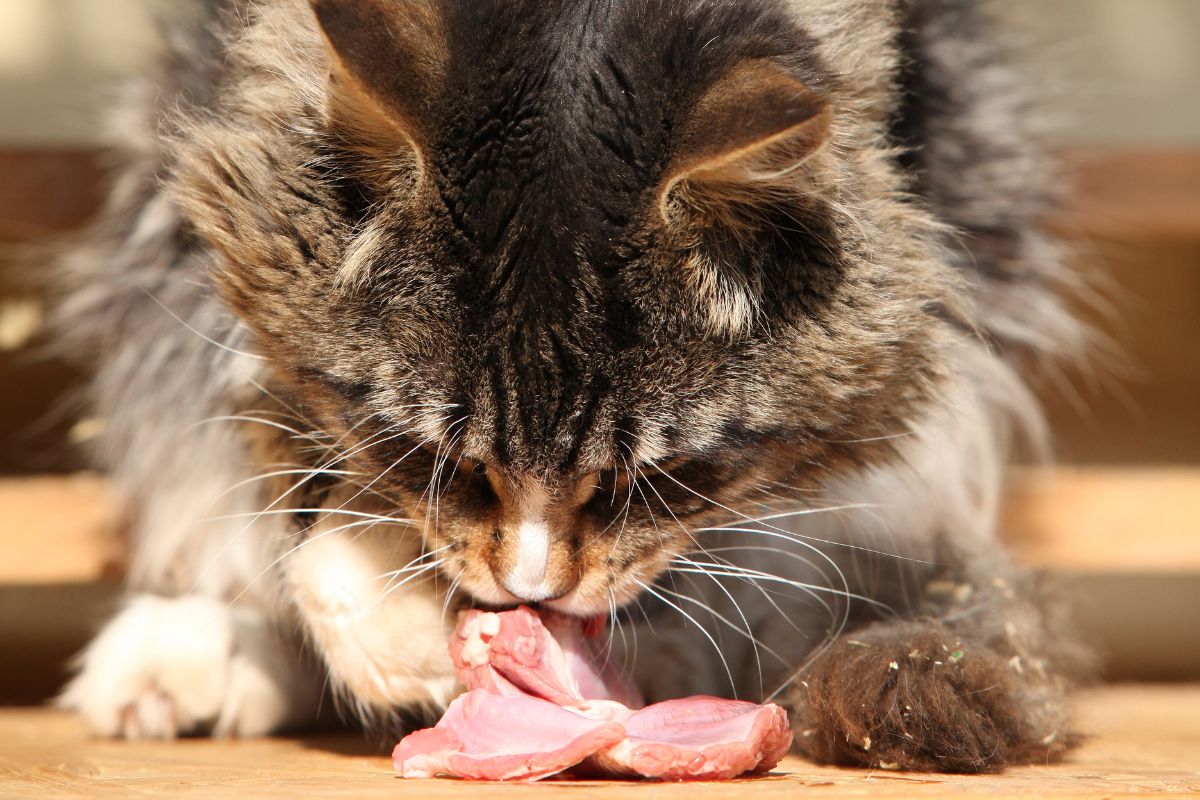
(537, 704)
(536, 739)
(698, 738)
(548, 657)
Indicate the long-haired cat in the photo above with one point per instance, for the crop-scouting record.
(707, 315)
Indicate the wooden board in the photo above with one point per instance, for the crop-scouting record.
(48, 189)
(69, 530)
(1144, 741)
(1105, 519)
(1133, 195)
(59, 530)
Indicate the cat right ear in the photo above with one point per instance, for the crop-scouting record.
(755, 125)
(388, 61)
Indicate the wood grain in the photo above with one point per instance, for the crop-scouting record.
(56, 530)
(1144, 741)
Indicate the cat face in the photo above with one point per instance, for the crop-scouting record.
(569, 284)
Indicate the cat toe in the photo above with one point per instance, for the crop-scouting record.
(150, 716)
(168, 667)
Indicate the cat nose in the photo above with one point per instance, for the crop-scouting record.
(531, 571)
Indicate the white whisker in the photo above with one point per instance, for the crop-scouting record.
(701, 628)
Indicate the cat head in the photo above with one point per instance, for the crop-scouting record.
(571, 280)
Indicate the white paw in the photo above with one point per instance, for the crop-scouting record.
(170, 666)
(383, 641)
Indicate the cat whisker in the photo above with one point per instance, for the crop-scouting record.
(805, 541)
(454, 584)
(255, 516)
(838, 623)
(636, 482)
(362, 523)
(759, 575)
(316, 512)
(409, 566)
(743, 630)
(612, 616)
(794, 536)
(724, 662)
(737, 607)
(384, 472)
(780, 551)
(769, 594)
(282, 472)
(297, 434)
(412, 566)
(623, 515)
(201, 334)
(434, 489)
(423, 571)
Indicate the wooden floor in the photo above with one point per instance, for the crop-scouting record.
(1143, 740)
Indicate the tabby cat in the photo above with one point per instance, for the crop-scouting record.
(709, 316)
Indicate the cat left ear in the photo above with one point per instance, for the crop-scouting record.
(757, 122)
(388, 60)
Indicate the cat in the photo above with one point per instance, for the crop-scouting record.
(714, 317)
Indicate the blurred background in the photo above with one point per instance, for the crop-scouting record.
(1119, 524)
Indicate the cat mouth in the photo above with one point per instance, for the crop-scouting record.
(569, 604)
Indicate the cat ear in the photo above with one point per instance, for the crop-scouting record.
(756, 123)
(388, 60)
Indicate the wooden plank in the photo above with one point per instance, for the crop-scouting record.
(46, 190)
(1131, 194)
(1143, 741)
(70, 529)
(1105, 519)
(59, 530)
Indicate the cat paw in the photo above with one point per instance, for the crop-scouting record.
(166, 667)
(913, 696)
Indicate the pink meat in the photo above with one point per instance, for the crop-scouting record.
(546, 656)
(698, 738)
(538, 704)
(487, 736)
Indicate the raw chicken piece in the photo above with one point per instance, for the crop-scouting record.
(538, 705)
(496, 737)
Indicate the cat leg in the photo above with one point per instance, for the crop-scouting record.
(973, 682)
(374, 607)
(165, 667)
